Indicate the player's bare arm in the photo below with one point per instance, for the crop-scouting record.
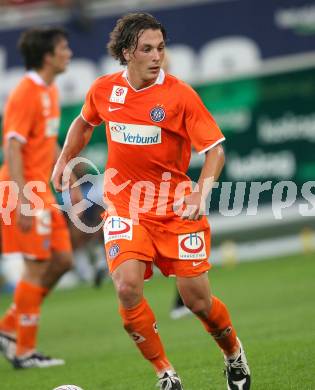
(13, 153)
(196, 202)
(78, 136)
(75, 191)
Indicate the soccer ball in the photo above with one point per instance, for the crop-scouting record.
(68, 387)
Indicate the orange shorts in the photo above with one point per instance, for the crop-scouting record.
(49, 233)
(174, 253)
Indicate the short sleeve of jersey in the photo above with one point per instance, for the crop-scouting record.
(89, 111)
(20, 114)
(202, 129)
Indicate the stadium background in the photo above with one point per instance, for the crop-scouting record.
(253, 64)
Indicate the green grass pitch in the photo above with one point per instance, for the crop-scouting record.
(272, 304)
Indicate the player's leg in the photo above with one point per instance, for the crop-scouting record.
(43, 267)
(45, 278)
(186, 256)
(196, 294)
(138, 318)
(7, 322)
(60, 249)
(61, 262)
(179, 309)
(140, 323)
(130, 262)
(8, 327)
(28, 297)
(38, 279)
(215, 317)
(19, 326)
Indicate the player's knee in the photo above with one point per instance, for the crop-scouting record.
(67, 263)
(129, 293)
(64, 262)
(199, 307)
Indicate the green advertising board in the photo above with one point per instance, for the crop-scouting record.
(269, 124)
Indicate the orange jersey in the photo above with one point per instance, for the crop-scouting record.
(32, 116)
(149, 134)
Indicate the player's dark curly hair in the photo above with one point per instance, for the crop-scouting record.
(127, 31)
(35, 43)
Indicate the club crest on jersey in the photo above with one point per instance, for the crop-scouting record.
(118, 94)
(192, 246)
(157, 114)
(117, 228)
(52, 127)
(113, 251)
(46, 102)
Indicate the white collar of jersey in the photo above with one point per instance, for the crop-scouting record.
(159, 80)
(36, 78)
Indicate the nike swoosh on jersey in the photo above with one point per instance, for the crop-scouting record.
(196, 263)
(110, 109)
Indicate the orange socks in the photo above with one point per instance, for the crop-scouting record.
(8, 321)
(220, 326)
(140, 323)
(27, 298)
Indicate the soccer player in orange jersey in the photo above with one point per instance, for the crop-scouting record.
(30, 129)
(153, 216)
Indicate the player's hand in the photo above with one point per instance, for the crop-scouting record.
(56, 179)
(193, 207)
(59, 178)
(24, 222)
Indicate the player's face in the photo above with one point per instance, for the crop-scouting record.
(145, 61)
(60, 59)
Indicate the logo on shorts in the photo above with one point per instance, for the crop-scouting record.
(118, 94)
(113, 251)
(43, 222)
(117, 228)
(191, 246)
(196, 263)
(46, 244)
(157, 114)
